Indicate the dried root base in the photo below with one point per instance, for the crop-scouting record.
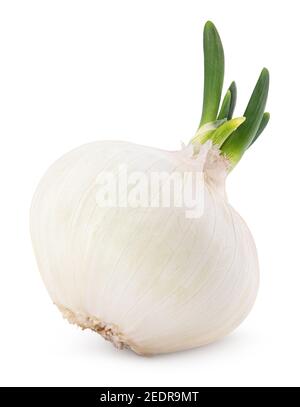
(109, 332)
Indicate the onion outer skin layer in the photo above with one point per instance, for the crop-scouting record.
(145, 278)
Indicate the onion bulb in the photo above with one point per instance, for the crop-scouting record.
(150, 277)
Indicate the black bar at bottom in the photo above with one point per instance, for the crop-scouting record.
(134, 396)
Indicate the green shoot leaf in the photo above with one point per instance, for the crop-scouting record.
(236, 144)
(204, 132)
(263, 124)
(233, 91)
(223, 132)
(223, 114)
(213, 73)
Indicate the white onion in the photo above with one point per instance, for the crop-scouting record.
(146, 278)
(154, 278)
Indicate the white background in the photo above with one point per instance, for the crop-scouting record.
(77, 71)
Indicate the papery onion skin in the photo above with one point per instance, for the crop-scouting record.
(158, 282)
